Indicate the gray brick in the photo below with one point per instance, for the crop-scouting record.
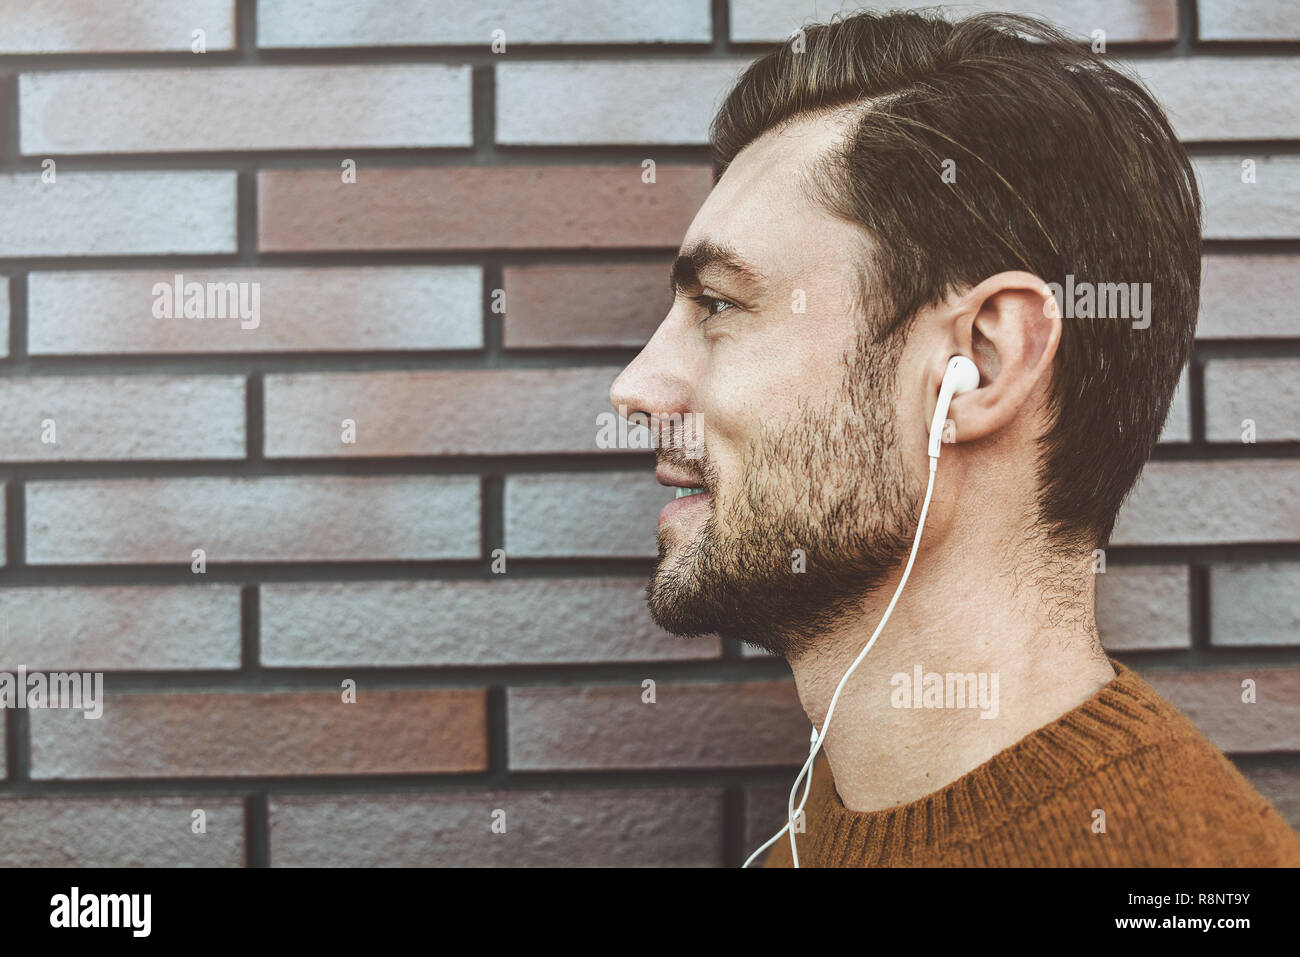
(1268, 208)
(1255, 605)
(1266, 391)
(1237, 20)
(74, 26)
(1178, 427)
(337, 309)
(1226, 98)
(1185, 503)
(440, 623)
(245, 108)
(121, 832)
(305, 518)
(1141, 608)
(583, 102)
(107, 214)
(626, 827)
(1150, 21)
(1280, 785)
(122, 417)
(497, 412)
(4, 316)
(1249, 296)
(340, 23)
(583, 514)
(134, 628)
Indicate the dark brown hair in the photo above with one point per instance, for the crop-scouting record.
(1064, 166)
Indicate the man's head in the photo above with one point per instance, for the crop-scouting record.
(891, 191)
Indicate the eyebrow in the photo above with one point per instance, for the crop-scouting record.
(705, 254)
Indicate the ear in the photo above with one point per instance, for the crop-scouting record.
(1012, 326)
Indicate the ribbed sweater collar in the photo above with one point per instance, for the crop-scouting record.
(1121, 718)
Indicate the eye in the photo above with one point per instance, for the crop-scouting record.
(708, 302)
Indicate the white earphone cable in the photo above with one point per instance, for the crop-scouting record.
(818, 738)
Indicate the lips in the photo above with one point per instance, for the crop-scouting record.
(692, 498)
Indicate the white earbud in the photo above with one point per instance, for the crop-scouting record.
(960, 376)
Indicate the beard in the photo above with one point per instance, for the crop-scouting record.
(821, 514)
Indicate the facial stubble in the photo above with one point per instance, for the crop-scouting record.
(820, 515)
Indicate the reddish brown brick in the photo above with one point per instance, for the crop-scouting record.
(1213, 701)
(488, 207)
(586, 306)
(690, 726)
(625, 827)
(122, 832)
(305, 733)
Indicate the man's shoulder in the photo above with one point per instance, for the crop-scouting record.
(1179, 801)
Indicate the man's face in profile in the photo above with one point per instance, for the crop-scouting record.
(807, 502)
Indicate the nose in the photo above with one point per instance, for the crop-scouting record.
(656, 382)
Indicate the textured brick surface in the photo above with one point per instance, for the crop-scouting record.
(1178, 427)
(1255, 604)
(4, 317)
(750, 724)
(515, 207)
(1265, 391)
(264, 734)
(467, 301)
(1184, 503)
(340, 23)
(766, 811)
(437, 413)
(245, 108)
(122, 832)
(1213, 701)
(497, 622)
(74, 26)
(1268, 208)
(1219, 98)
(626, 827)
(583, 514)
(308, 518)
(359, 309)
(68, 418)
(1281, 786)
(651, 101)
(1249, 296)
(1126, 21)
(1143, 608)
(104, 214)
(1238, 20)
(552, 307)
(126, 628)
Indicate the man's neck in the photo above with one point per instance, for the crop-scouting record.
(898, 732)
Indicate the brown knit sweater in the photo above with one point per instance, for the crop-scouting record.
(1170, 797)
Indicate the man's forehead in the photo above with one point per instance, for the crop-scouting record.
(759, 212)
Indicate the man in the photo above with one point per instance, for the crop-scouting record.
(891, 192)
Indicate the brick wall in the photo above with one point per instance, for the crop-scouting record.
(370, 561)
